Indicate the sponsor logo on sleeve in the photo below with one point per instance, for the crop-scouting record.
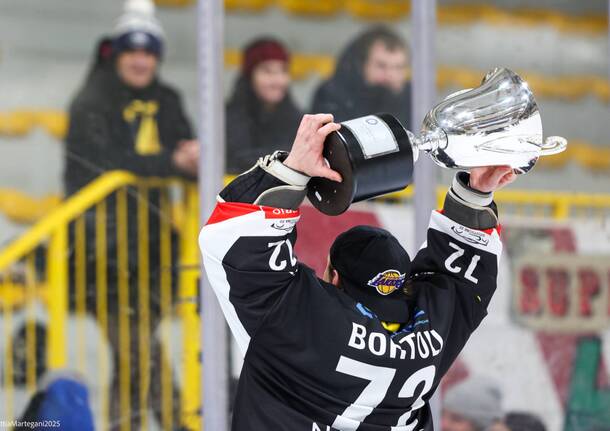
(286, 225)
(279, 213)
(471, 236)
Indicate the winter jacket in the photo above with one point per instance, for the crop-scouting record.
(105, 121)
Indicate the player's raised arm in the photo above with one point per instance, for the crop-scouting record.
(463, 244)
(248, 242)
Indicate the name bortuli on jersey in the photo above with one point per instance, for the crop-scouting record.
(422, 344)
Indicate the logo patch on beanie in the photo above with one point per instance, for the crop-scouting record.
(138, 38)
(387, 282)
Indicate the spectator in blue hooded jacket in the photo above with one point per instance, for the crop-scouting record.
(62, 403)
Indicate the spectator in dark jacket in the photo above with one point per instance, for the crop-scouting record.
(370, 77)
(126, 118)
(261, 115)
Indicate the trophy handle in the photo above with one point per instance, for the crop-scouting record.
(553, 145)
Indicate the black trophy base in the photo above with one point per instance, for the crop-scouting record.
(364, 177)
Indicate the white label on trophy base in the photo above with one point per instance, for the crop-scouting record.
(374, 136)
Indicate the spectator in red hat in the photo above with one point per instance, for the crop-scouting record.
(261, 115)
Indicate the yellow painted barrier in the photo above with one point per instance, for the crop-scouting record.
(387, 10)
(188, 296)
(7, 369)
(310, 7)
(101, 287)
(166, 295)
(246, 5)
(23, 285)
(57, 276)
(86, 198)
(18, 123)
(21, 208)
(454, 14)
(174, 3)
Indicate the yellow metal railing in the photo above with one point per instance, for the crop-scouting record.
(515, 202)
(25, 280)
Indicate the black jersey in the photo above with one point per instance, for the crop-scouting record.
(315, 359)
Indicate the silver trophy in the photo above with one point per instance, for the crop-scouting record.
(495, 124)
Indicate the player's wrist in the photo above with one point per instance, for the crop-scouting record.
(292, 162)
(276, 166)
(292, 169)
(466, 190)
(470, 207)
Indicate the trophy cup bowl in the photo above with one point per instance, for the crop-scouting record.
(495, 124)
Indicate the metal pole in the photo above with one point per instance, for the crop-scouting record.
(211, 170)
(424, 94)
(608, 40)
(423, 18)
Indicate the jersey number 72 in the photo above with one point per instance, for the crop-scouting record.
(380, 379)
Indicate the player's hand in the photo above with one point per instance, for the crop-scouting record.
(186, 156)
(491, 178)
(306, 154)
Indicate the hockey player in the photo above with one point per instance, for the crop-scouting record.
(365, 347)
